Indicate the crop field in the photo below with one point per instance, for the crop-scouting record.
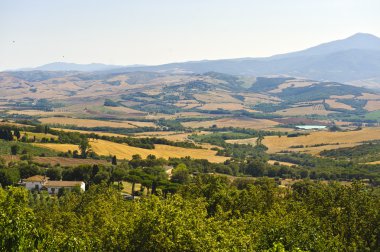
(280, 163)
(94, 123)
(327, 140)
(187, 104)
(292, 84)
(38, 136)
(368, 96)
(372, 105)
(123, 151)
(38, 112)
(317, 109)
(338, 105)
(233, 122)
(217, 97)
(67, 161)
(169, 135)
(225, 106)
(100, 133)
(342, 96)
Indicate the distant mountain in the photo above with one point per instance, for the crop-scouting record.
(356, 58)
(64, 66)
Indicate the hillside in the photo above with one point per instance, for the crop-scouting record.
(356, 58)
(150, 96)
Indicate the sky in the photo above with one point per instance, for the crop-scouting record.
(151, 32)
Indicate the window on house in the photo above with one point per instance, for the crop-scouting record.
(53, 190)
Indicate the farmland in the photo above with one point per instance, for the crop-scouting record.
(93, 123)
(233, 122)
(309, 143)
(67, 161)
(123, 151)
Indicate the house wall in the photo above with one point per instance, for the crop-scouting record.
(53, 190)
(56, 189)
(32, 185)
(83, 186)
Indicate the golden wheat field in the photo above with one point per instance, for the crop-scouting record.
(345, 139)
(94, 123)
(123, 151)
(169, 135)
(233, 122)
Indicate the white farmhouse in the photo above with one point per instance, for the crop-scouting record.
(39, 183)
(35, 182)
(54, 186)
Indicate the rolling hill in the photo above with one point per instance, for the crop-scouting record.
(152, 95)
(356, 58)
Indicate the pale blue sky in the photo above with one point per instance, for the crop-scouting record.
(161, 31)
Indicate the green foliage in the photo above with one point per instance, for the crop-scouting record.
(263, 84)
(207, 214)
(362, 153)
(9, 176)
(5, 148)
(319, 91)
(111, 103)
(14, 149)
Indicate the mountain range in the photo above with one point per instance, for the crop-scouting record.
(354, 60)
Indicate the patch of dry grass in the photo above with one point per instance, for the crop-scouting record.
(317, 109)
(280, 163)
(233, 122)
(225, 106)
(94, 123)
(277, 144)
(67, 161)
(338, 105)
(372, 105)
(123, 151)
(292, 84)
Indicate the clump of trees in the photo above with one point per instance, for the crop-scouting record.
(208, 213)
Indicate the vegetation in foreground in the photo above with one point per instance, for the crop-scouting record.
(207, 214)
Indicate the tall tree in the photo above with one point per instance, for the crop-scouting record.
(84, 147)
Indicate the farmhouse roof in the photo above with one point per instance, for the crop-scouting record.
(63, 183)
(36, 178)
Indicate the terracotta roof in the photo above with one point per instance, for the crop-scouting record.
(63, 183)
(36, 178)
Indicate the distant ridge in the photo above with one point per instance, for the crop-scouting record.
(350, 60)
(65, 66)
(354, 59)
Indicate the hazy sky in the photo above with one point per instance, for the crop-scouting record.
(36, 32)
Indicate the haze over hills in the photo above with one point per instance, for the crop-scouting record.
(354, 60)
(65, 66)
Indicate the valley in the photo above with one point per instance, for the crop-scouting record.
(252, 153)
